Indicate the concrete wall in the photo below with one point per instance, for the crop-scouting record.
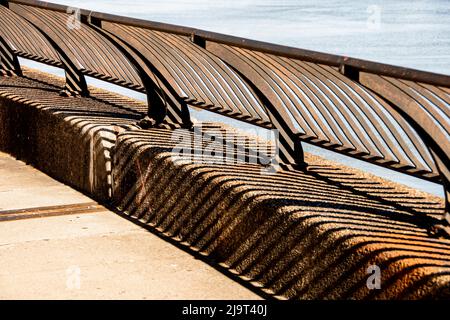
(74, 151)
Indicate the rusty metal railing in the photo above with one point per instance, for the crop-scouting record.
(390, 116)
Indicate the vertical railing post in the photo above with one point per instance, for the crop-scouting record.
(425, 126)
(350, 72)
(291, 155)
(9, 63)
(75, 80)
(161, 102)
(443, 228)
(198, 40)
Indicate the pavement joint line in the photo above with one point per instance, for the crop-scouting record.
(51, 211)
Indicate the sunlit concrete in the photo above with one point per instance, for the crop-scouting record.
(95, 255)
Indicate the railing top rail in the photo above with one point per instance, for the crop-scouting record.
(270, 48)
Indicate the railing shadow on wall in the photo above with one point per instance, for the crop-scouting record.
(390, 116)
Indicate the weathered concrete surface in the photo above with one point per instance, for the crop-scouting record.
(294, 235)
(22, 187)
(69, 138)
(297, 235)
(93, 254)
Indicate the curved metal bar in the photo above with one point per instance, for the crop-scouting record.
(75, 81)
(323, 107)
(290, 147)
(24, 40)
(196, 74)
(159, 100)
(392, 135)
(85, 51)
(430, 120)
(162, 97)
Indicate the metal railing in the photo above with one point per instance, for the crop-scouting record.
(390, 116)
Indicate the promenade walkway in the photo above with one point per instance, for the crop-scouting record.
(56, 243)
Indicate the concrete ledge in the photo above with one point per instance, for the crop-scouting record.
(68, 138)
(296, 235)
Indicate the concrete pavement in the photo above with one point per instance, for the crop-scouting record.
(92, 253)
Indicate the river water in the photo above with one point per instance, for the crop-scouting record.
(414, 34)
